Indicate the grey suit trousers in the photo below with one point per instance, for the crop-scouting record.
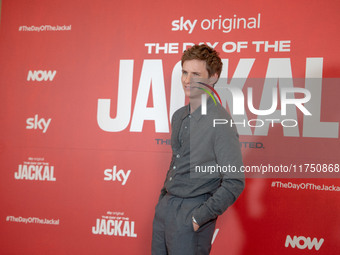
(173, 231)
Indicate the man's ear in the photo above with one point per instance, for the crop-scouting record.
(213, 79)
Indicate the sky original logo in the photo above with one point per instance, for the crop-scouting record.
(225, 25)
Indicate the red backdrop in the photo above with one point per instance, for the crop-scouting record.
(71, 160)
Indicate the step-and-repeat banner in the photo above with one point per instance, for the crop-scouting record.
(87, 91)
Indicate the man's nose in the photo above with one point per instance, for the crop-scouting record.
(187, 78)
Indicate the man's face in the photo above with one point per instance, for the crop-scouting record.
(193, 70)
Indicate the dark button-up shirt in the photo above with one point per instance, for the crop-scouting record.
(197, 146)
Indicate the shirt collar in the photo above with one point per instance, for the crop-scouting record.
(186, 111)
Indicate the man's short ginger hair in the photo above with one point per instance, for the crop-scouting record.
(207, 54)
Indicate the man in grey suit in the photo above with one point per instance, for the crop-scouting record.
(199, 184)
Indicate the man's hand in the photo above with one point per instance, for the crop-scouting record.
(195, 225)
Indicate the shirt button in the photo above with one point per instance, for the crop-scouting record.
(185, 127)
(170, 178)
(178, 156)
(174, 167)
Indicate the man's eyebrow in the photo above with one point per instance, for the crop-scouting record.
(198, 73)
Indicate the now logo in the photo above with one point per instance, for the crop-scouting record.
(40, 75)
(302, 242)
